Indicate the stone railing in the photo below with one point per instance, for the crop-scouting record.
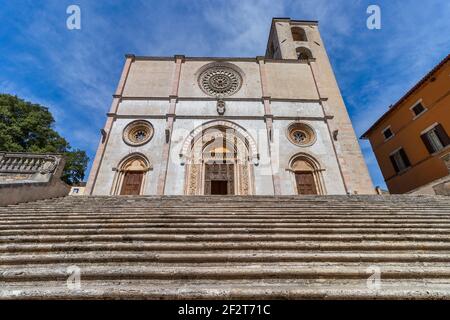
(28, 176)
(25, 166)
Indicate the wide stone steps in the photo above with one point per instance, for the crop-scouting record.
(232, 247)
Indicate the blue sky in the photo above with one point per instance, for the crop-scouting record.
(74, 73)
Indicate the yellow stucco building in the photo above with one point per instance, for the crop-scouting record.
(411, 140)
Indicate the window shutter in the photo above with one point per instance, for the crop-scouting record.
(405, 158)
(394, 164)
(440, 131)
(427, 143)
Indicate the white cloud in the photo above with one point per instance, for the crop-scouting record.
(242, 27)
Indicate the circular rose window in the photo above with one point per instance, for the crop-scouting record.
(138, 133)
(220, 80)
(301, 134)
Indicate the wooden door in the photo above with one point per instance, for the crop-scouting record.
(305, 183)
(219, 187)
(132, 183)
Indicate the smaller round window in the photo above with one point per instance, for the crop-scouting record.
(138, 133)
(301, 134)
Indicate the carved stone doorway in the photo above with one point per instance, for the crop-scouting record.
(219, 162)
(219, 178)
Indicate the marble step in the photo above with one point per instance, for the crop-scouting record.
(241, 257)
(228, 205)
(161, 218)
(224, 230)
(203, 246)
(206, 226)
(230, 289)
(221, 237)
(312, 270)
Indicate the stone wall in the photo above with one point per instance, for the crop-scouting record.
(440, 186)
(28, 177)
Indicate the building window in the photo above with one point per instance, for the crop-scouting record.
(435, 139)
(387, 133)
(303, 53)
(399, 160)
(418, 109)
(76, 190)
(298, 34)
(220, 79)
(301, 134)
(138, 133)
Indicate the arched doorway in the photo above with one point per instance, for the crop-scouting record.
(219, 161)
(307, 175)
(131, 175)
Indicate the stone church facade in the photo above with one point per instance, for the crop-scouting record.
(270, 125)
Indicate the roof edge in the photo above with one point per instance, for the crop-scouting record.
(295, 21)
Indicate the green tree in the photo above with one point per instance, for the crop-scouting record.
(28, 127)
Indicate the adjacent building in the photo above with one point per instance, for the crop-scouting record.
(411, 140)
(266, 125)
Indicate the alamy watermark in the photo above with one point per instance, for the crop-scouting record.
(73, 21)
(374, 280)
(74, 280)
(374, 20)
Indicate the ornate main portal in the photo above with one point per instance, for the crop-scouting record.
(218, 162)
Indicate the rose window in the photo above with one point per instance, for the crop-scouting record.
(138, 133)
(301, 134)
(220, 80)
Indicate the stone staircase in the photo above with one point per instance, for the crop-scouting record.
(346, 247)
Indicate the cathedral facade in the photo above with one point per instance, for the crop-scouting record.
(268, 125)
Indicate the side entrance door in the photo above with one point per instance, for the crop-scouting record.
(132, 183)
(305, 183)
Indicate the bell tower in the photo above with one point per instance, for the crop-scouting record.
(290, 39)
(299, 41)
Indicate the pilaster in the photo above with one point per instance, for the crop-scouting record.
(117, 97)
(170, 118)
